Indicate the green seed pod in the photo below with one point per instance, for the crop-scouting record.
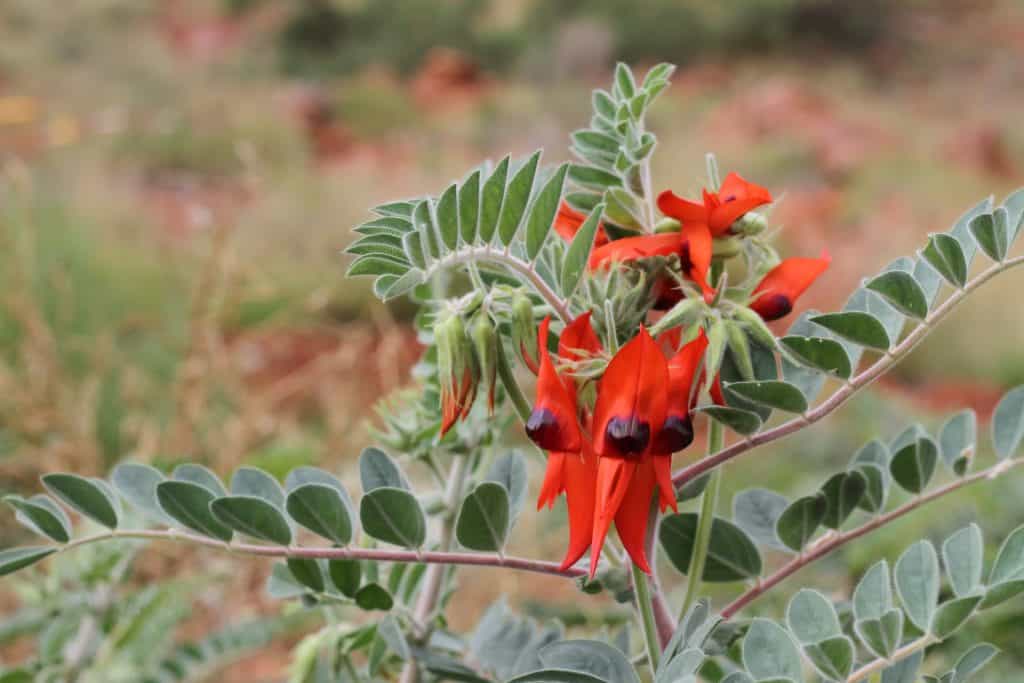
(485, 343)
(739, 345)
(524, 330)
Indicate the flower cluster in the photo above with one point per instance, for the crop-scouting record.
(610, 449)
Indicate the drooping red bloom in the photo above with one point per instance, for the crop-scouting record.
(456, 399)
(718, 210)
(568, 222)
(774, 296)
(553, 424)
(632, 404)
(572, 465)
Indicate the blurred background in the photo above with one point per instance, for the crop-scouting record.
(178, 177)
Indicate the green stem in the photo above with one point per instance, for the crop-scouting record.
(646, 609)
(515, 394)
(709, 501)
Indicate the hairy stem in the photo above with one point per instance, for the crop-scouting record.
(433, 579)
(861, 380)
(663, 619)
(468, 559)
(645, 607)
(829, 543)
(708, 503)
(468, 255)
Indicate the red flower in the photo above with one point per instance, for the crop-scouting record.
(569, 220)
(692, 244)
(719, 210)
(774, 296)
(554, 426)
(553, 423)
(632, 404)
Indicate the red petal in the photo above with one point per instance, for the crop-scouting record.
(578, 336)
(568, 223)
(613, 477)
(554, 479)
(580, 492)
(632, 396)
(774, 297)
(696, 255)
(735, 198)
(635, 511)
(634, 248)
(663, 475)
(552, 425)
(682, 369)
(683, 210)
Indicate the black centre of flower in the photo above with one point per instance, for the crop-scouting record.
(774, 306)
(629, 435)
(544, 430)
(730, 198)
(675, 435)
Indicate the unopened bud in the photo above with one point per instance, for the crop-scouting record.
(726, 247)
(456, 369)
(485, 343)
(739, 346)
(757, 328)
(750, 223)
(667, 225)
(524, 331)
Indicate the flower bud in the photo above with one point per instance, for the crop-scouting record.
(739, 346)
(756, 326)
(667, 224)
(524, 331)
(485, 343)
(750, 224)
(726, 247)
(456, 369)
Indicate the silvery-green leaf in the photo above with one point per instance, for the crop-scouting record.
(590, 657)
(757, 512)
(1009, 564)
(953, 614)
(964, 556)
(517, 196)
(393, 515)
(973, 661)
(543, 212)
(917, 583)
(905, 670)
(811, 617)
(509, 470)
(255, 483)
(913, 465)
(188, 504)
(137, 483)
(1008, 424)
(13, 559)
(377, 469)
(483, 521)
(902, 292)
(732, 556)
(797, 524)
(957, 439)
(84, 496)
(252, 516)
(873, 595)
(833, 657)
(769, 652)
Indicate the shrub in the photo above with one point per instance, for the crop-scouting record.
(643, 316)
